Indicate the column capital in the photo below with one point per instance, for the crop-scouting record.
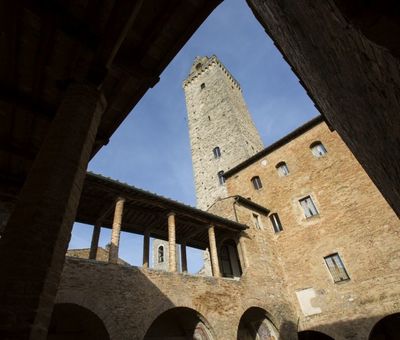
(120, 199)
(171, 214)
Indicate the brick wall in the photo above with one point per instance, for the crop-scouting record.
(354, 220)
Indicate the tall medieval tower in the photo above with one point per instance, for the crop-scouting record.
(222, 133)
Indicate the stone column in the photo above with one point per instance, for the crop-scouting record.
(37, 234)
(213, 252)
(183, 257)
(171, 243)
(95, 241)
(146, 249)
(116, 230)
(243, 251)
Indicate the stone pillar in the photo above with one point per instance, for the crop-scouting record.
(146, 249)
(183, 257)
(243, 251)
(95, 241)
(35, 240)
(171, 243)
(116, 230)
(213, 252)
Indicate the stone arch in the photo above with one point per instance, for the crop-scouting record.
(95, 306)
(179, 323)
(255, 324)
(70, 321)
(313, 335)
(387, 328)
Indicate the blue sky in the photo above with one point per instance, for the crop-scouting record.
(151, 149)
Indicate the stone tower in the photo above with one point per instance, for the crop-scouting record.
(222, 133)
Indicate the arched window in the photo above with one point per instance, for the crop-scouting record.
(282, 169)
(217, 152)
(160, 254)
(221, 178)
(198, 66)
(318, 149)
(229, 260)
(256, 182)
(202, 86)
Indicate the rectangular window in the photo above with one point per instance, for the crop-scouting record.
(276, 222)
(308, 206)
(336, 268)
(257, 221)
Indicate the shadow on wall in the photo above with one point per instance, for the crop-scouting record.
(70, 321)
(104, 301)
(374, 328)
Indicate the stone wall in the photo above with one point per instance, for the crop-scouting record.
(217, 117)
(354, 82)
(354, 221)
(128, 299)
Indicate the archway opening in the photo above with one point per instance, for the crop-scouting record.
(255, 325)
(313, 335)
(229, 259)
(387, 328)
(179, 323)
(72, 322)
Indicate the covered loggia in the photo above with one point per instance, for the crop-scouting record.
(179, 323)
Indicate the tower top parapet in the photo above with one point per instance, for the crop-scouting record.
(201, 64)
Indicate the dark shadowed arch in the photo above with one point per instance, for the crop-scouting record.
(179, 323)
(387, 328)
(313, 335)
(255, 325)
(73, 322)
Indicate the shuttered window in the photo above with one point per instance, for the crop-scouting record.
(336, 268)
(308, 207)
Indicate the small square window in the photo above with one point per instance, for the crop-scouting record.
(276, 222)
(308, 206)
(336, 268)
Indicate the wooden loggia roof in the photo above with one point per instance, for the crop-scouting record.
(144, 210)
(120, 46)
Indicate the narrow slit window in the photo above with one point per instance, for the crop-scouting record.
(276, 222)
(308, 206)
(283, 169)
(217, 152)
(160, 254)
(256, 182)
(336, 268)
(318, 149)
(221, 178)
(257, 221)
